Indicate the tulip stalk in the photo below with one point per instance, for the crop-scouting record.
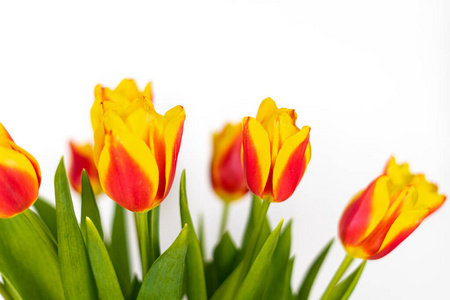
(223, 223)
(143, 234)
(337, 276)
(153, 223)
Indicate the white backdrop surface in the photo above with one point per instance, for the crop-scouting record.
(371, 79)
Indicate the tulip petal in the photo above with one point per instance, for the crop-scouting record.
(127, 168)
(266, 110)
(128, 88)
(172, 137)
(365, 212)
(256, 155)
(290, 165)
(403, 226)
(19, 186)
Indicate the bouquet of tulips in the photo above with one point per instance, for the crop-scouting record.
(46, 253)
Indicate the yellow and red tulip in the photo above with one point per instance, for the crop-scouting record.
(136, 151)
(380, 217)
(227, 173)
(82, 158)
(275, 152)
(20, 177)
(116, 99)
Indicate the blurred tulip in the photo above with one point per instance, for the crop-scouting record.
(136, 151)
(275, 152)
(20, 177)
(380, 217)
(82, 158)
(227, 173)
(117, 99)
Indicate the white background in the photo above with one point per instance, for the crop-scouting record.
(371, 79)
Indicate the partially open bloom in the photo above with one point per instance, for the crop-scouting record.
(136, 151)
(381, 216)
(82, 158)
(227, 173)
(20, 177)
(275, 152)
(116, 99)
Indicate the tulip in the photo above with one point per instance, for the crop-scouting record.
(227, 173)
(20, 177)
(82, 158)
(392, 206)
(117, 99)
(136, 152)
(275, 152)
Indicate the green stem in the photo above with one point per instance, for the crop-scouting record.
(143, 241)
(4, 293)
(337, 276)
(249, 254)
(153, 224)
(223, 223)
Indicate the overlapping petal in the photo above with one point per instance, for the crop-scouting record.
(82, 159)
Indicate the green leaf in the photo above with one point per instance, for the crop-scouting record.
(311, 275)
(13, 294)
(225, 257)
(89, 205)
(195, 276)
(212, 282)
(135, 288)
(48, 215)
(226, 289)
(76, 273)
(153, 230)
(277, 270)
(118, 250)
(107, 284)
(27, 261)
(164, 280)
(201, 235)
(345, 288)
(252, 287)
(287, 291)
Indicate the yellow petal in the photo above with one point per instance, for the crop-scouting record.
(256, 155)
(266, 109)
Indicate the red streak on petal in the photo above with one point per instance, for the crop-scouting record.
(356, 217)
(18, 191)
(230, 174)
(293, 173)
(173, 165)
(125, 183)
(80, 162)
(252, 170)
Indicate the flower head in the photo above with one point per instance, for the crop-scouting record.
(82, 158)
(20, 177)
(116, 99)
(275, 151)
(227, 173)
(136, 151)
(381, 216)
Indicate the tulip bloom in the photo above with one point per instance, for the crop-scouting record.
(136, 151)
(82, 158)
(380, 217)
(227, 173)
(20, 177)
(275, 152)
(117, 99)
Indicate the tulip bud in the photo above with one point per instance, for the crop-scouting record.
(275, 152)
(136, 151)
(20, 177)
(227, 173)
(117, 99)
(82, 158)
(380, 217)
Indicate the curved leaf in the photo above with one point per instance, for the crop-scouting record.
(89, 205)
